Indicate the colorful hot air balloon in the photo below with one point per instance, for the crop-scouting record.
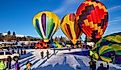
(46, 24)
(92, 17)
(70, 28)
(56, 45)
(109, 48)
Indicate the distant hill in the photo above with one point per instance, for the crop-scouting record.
(8, 37)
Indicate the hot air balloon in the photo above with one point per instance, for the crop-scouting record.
(56, 45)
(92, 17)
(109, 48)
(46, 24)
(70, 28)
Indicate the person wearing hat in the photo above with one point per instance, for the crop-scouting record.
(2, 65)
(28, 65)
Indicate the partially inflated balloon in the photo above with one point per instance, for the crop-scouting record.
(108, 47)
(70, 28)
(92, 17)
(46, 24)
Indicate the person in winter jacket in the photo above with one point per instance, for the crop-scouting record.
(28, 65)
(17, 66)
(101, 67)
(9, 59)
(2, 65)
(92, 64)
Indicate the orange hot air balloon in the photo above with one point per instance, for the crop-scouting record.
(92, 17)
(70, 28)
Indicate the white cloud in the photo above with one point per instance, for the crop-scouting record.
(116, 20)
(67, 6)
(114, 8)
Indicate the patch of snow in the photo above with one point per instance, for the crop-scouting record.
(72, 61)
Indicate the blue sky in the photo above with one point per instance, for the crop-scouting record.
(16, 15)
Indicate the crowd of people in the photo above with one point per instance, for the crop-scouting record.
(8, 64)
(29, 64)
(19, 51)
(93, 65)
(42, 54)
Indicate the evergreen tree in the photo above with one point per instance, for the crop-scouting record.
(14, 34)
(9, 33)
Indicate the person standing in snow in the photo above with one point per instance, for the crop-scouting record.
(54, 51)
(9, 59)
(18, 51)
(2, 65)
(101, 67)
(92, 64)
(65, 59)
(24, 52)
(47, 54)
(17, 66)
(12, 51)
(21, 52)
(42, 54)
(28, 65)
(69, 48)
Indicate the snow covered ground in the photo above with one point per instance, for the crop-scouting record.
(60, 61)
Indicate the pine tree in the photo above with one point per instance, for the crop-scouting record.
(14, 34)
(9, 33)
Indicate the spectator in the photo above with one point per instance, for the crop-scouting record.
(28, 65)
(42, 54)
(47, 54)
(69, 48)
(17, 66)
(2, 65)
(18, 51)
(54, 51)
(65, 60)
(24, 51)
(92, 64)
(21, 52)
(9, 59)
(101, 67)
(12, 51)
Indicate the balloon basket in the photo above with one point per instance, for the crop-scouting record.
(46, 41)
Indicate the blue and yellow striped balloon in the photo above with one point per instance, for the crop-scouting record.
(46, 24)
(108, 47)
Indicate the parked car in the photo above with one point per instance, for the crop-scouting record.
(4, 55)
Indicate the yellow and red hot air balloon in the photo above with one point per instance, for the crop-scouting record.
(70, 28)
(92, 17)
(46, 24)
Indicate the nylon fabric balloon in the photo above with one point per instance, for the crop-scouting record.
(109, 48)
(46, 24)
(70, 28)
(92, 17)
(94, 55)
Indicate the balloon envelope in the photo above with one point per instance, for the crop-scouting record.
(46, 24)
(70, 28)
(109, 47)
(92, 17)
